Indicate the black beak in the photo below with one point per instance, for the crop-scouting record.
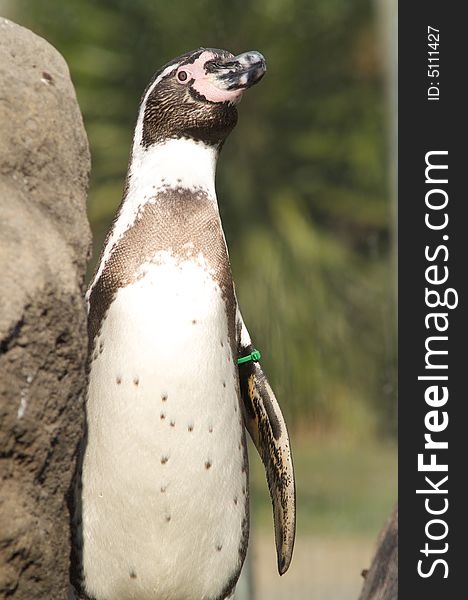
(241, 72)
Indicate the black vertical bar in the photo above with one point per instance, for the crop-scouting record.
(432, 118)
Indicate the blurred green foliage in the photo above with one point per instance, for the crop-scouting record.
(302, 182)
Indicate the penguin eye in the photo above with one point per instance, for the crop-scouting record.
(182, 75)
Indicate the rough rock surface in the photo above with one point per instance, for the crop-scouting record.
(381, 581)
(44, 246)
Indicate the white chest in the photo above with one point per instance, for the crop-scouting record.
(164, 472)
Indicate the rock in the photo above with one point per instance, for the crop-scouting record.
(381, 581)
(44, 247)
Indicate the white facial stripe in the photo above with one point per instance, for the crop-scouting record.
(128, 212)
(175, 163)
(138, 136)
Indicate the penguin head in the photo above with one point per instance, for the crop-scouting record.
(195, 96)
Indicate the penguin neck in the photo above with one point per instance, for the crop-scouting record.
(174, 163)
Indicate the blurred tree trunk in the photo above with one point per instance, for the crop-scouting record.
(381, 581)
(387, 18)
(44, 247)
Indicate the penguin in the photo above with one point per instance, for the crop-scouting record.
(161, 504)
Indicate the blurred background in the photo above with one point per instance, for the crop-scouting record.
(306, 194)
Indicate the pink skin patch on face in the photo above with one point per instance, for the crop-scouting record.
(204, 83)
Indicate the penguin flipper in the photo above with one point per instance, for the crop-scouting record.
(267, 428)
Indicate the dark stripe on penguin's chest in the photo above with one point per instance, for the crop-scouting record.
(178, 221)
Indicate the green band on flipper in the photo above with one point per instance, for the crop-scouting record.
(255, 356)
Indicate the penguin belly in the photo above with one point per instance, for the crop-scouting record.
(164, 498)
